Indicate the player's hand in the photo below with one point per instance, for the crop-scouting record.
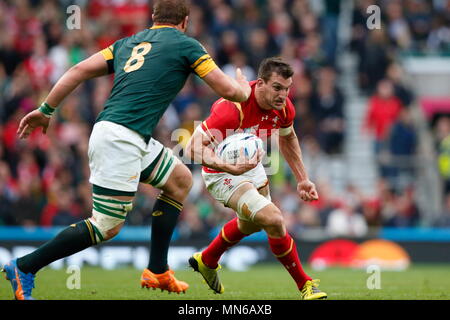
(242, 80)
(243, 164)
(31, 121)
(307, 190)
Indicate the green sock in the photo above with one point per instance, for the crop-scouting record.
(164, 219)
(71, 240)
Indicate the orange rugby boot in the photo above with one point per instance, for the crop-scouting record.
(163, 281)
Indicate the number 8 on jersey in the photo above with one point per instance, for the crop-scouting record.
(137, 55)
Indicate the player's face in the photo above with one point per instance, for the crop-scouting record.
(276, 90)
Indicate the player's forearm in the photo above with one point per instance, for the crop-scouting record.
(200, 153)
(206, 157)
(291, 151)
(210, 160)
(65, 85)
(236, 92)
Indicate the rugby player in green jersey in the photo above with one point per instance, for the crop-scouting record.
(150, 68)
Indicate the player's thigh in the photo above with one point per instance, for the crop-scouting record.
(265, 191)
(223, 185)
(115, 155)
(163, 170)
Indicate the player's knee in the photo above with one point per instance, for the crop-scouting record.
(108, 217)
(250, 203)
(111, 233)
(184, 180)
(180, 183)
(273, 219)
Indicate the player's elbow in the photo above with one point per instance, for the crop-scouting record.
(78, 74)
(229, 92)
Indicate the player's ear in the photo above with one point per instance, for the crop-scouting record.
(184, 24)
(259, 82)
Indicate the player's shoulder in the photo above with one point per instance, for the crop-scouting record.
(287, 114)
(289, 104)
(289, 108)
(188, 41)
(224, 105)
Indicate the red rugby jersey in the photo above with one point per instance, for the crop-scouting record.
(228, 117)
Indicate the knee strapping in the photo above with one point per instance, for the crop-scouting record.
(250, 203)
(107, 213)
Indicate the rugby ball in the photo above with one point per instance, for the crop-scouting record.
(229, 149)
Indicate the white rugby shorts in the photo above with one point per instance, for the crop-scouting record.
(118, 155)
(222, 185)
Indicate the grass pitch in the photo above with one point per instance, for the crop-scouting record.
(261, 282)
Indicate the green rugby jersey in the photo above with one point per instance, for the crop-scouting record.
(150, 68)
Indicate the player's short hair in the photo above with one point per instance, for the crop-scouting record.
(170, 11)
(274, 64)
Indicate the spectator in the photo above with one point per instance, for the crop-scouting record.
(438, 39)
(443, 141)
(10, 58)
(229, 45)
(398, 28)
(330, 29)
(27, 206)
(239, 60)
(63, 211)
(402, 148)
(311, 52)
(258, 47)
(191, 226)
(443, 221)
(402, 91)
(327, 105)
(419, 18)
(359, 28)
(383, 110)
(345, 221)
(7, 195)
(374, 59)
(406, 212)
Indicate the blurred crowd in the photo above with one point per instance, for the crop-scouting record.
(44, 179)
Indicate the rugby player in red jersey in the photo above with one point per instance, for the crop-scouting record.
(244, 187)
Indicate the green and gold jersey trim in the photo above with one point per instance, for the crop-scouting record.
(108, 54)
(160, 26)
(204, 65)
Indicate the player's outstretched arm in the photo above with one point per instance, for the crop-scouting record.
(291, 151)
(92, 67)
(198, 150)
(237, 90)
